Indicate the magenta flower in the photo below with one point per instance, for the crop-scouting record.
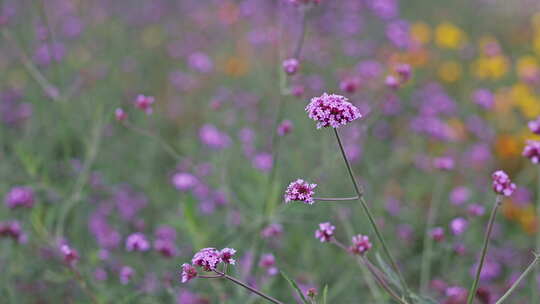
(70, 255)
(300, 190)
(184, 181)
(532, 151)
(404, 72)
(272, 230)
(213, 138)
(137, 242)
(268, 262)
(437, 233)
(285, 127)
(502, 184)
(325, 232)
(360, 244)
(290, 66)
(165, 247)
(188, 273)
(476, 210)
(392, 82)
(145, 103)
(332, 111)
(349, 85)
(534, 126)
(120, 114)
(444, 163)
(226, 255)
(126, 274)
(207, 258)
(13, 230)
(20, 196)
(459, 225)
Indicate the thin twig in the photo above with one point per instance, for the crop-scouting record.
(332, 199)
(474, 287)
(246, 286)
(521, 277)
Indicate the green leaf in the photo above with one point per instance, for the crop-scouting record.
(324, 294)
(390, 274)
(295, 286)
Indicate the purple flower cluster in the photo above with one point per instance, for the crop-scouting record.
(534, 126)
(502, 184)
(300, 190)
(443, 163)
(69, 255)
(360, 244)
(145, 103)
(137, 242)
(532, 151)
(290, 66)
(332, 111)
(20, 196)
(208, 259)
(325, 233)
(12, 229)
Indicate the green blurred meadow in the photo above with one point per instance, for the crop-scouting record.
(215, 70)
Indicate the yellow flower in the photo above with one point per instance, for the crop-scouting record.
(525, 100)
(492, 68)
(421, 32)
(449, 71)
(449, 36)
(527, 67)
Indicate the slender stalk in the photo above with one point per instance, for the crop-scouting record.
(360, 192)
(166, 147)
(300, 42)
(335, 199)
(83, 285)
(474, 287)
(45, 85)
(521, 277)
(427, 254)
(375, 272)
(255, 291)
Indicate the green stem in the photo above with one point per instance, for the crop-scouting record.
(360, 193)
(474, 287)
(427, 254)
(246, 286)
(521, 277)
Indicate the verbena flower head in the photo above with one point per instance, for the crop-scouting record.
(437, 233)
(300, 190)
(360, 244)
(188, 273)
(290, 66)
(145, 103)
(285, 127)
(532, 151)
(137, 242)
(70, 255)
(268, 262)
(459, 225)
(12, 229)
(476, 210)
(120, 114)
(20, 196)
(165, 247)
(272, 230)
(404, 71)
(207, 258)
(534, 126)
(184, 181)
(502, 184)
(227, 255)
(332, 111)
(349, 84)
(444, 163)
(325, 233)
(126, 273)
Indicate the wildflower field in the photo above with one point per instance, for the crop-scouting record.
(270, 151)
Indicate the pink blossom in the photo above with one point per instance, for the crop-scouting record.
(325, 232)
(502, 184)
(137, 242)
(532, 151)
(300, 190)
(188, 273)
(145, 103)
(360, 244)
(332, 111)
